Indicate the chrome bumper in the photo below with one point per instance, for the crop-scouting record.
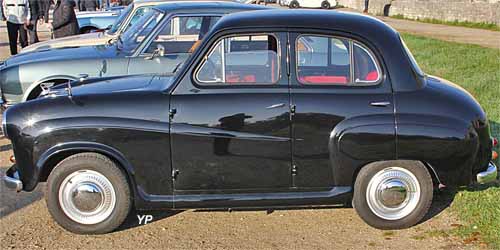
(489, 175)
(13, 182)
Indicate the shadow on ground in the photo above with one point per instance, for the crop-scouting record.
(11, 201)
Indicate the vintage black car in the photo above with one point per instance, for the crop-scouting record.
(277, 108)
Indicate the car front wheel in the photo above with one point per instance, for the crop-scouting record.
(393, 194)
(87, 193)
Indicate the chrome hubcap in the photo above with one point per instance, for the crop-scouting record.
(87, 197)
(393, 193)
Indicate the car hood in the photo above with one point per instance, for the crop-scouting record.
(73, 53)
(89, 39)
(109, 85)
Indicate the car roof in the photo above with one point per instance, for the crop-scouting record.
(314, 19)
(197, 6)
(155, 2)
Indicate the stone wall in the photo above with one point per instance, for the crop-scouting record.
(479, 11)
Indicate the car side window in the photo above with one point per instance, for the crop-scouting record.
(181, 34)
(243, 60)
(323, 60)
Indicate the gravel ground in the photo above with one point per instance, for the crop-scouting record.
(26, 224)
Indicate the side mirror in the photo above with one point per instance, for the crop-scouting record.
(159, 52)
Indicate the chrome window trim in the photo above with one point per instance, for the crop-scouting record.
(224, 83)
(375, 62)
(352, 82)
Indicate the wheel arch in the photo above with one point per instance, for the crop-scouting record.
(434, 174)
(51, 157)
(35, 85)
(87, 27)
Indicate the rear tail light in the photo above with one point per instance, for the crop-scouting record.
(495, 142)
(494, 155)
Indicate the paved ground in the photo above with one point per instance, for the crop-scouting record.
(485, 38)
(26, 224)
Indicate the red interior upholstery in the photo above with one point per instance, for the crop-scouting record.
(372, 76)
(323, 79)
(237, 79)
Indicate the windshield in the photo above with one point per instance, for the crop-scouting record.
(130, 39)
(120, 19)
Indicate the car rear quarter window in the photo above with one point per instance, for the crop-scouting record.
(241, 60)
(324, 60)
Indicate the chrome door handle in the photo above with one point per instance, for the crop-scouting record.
(274, 106)
(380, 104)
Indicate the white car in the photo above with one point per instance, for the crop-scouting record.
(324, 4)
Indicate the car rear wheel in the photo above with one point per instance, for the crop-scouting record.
(393, 194)
(325, 5)
(87, 193)
(294, 5)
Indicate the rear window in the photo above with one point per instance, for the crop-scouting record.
(323, 60)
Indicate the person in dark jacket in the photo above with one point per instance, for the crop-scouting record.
(64, 21)
(36, 12)
(88, 5)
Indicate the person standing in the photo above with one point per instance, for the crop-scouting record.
(81, 5)
(17, 13)
(367, 2)
(90, 5)
(64, 21)
(36, 13)
(2, 16)
(45, 8)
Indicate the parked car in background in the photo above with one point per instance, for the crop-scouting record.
(256, 1)
(324, 4)
(119, 24)
(158, 42)
(276, 108)
(97, 21)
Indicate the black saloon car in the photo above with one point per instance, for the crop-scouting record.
(277, 108)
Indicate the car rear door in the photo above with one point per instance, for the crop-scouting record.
(343, 109)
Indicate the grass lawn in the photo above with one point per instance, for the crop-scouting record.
(477, 69)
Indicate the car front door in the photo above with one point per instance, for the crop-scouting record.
(230, 126)
(173, 44)
(344, 113)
